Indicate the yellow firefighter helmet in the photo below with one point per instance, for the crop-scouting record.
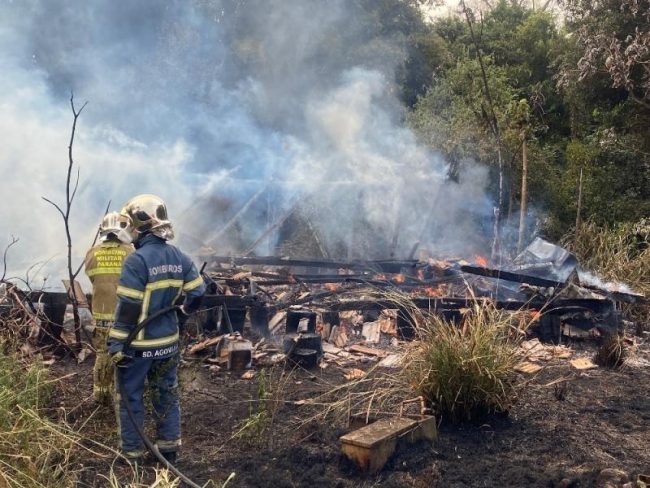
(146, 213)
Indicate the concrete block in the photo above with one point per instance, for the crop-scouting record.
(371, 446)
(427, 429)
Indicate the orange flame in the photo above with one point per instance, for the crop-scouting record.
(438, 291)
(400, 278)
(481, 261)
(331, 286)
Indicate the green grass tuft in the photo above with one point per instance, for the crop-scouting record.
(468, 371)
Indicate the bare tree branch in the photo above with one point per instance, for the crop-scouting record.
(76, 185)
(13, 242)
(40, 264)
(55, 206)
(69, 197)
(18, 278)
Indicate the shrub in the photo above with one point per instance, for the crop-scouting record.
(466, 372)
(463, 372)
(253, 427)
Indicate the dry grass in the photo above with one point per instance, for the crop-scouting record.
(34, 452)
(617, 254)
(162, 479)
(463, 371)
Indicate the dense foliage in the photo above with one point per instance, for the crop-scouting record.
(572, 84)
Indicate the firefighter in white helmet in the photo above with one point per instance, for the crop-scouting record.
(152, 280)
(103, 265)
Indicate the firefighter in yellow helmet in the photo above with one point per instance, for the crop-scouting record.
(103, 265)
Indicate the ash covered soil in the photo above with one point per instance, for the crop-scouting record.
(567, 426)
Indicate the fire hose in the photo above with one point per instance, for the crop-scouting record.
(147, 442)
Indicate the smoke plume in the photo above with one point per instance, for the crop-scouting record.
(253, 109)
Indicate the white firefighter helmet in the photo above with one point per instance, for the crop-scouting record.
(146, 213)
(112, 223)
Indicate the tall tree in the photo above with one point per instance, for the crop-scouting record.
(614, 38)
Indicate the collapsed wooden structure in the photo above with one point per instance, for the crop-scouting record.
(258, 288)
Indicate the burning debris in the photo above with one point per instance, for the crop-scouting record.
(319, 311)
(313, 312)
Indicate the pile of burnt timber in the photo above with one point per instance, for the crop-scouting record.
(37, 316)
(543, 279)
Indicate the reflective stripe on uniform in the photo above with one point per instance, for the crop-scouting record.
(164, 445)
(103, 316)
(151, 287)
(195, 283)
(130, 292)
(158, 342)
(117, 333)
(159, 285)
(104, 271)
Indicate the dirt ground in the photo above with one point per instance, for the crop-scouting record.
(567, 426)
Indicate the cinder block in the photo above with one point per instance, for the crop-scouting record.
(427, 429)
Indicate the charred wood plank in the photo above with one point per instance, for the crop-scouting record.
(537, 281)
(347, 279)
(386, 266)
(619, 296)
(312, 297)
(510, 276)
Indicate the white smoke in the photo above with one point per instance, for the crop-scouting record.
(34, 163)
(209, 103)
(590, 279)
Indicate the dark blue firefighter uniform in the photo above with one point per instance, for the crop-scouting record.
(152, 278)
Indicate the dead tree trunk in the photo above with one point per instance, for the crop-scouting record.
(69, 198)
(579, 205)
(524, 194)
(494, 128)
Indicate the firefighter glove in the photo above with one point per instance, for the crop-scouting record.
(121, 360)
